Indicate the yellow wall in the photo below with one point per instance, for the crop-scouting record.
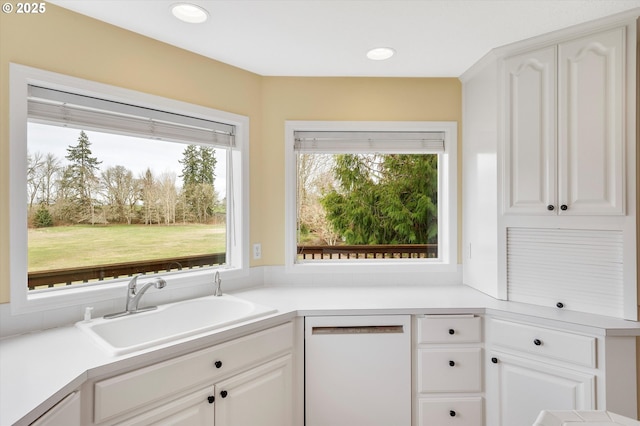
(68, 43)
(334, 99)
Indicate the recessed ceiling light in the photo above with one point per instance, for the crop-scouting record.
(380, 53)
(190, 13)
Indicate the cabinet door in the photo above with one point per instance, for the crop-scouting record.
(64, 413)
(530, 132)
(194, 409)
(518, 389)
(591, 132)
(262, 396)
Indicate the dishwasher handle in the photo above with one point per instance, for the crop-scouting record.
(359, 329)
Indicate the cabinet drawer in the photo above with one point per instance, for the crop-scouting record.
(450, 370)
(450, 412)
(559, 345)
(148, 385)
(449, 329)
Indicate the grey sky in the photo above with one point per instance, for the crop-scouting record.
(136, 154)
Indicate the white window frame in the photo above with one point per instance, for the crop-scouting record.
(23, 301)
(413, 270)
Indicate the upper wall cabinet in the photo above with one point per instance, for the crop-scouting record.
(564, 128)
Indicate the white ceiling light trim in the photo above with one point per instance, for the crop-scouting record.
(380, 53)
(190, 13)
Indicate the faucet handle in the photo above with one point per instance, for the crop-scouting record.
(218, 284)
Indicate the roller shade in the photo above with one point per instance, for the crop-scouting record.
(357, 142)
(56, 107)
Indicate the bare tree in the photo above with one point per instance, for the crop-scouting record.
(34, 172)
(149, 196)
(51, 174)
(168, 195)
(120, 191)
(314, 179)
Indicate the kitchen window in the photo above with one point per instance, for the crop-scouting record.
(371, 195)
(118, 183)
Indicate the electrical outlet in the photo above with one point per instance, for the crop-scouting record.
(257, 251)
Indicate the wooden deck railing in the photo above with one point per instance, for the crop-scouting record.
(69, 276)
(383, 251)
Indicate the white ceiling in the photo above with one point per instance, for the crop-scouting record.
(433, 38)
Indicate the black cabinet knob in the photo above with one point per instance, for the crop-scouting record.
(218, 364)
(550, 207)
(223, 394)
(560, 305)
(452, 363)
(211, 399)
(537, 342)
(564, 207)
(494, 360)
(452, 331)
(452, 413)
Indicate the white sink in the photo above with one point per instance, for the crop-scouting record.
(170, 322)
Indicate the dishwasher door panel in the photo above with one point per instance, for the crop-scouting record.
(358, 370)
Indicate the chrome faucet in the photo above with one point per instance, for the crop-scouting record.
(218, 283)
(134, 294)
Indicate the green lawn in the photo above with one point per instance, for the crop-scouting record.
(84, 245)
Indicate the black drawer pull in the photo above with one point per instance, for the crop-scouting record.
(452, 331)
(223, 394)
(211, 399)
(494, 360)
(537, 342)
(452, 413)
(218, 364)
(560, 305)
(452, 363)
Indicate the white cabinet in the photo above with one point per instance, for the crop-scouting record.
(261, 396)
(591, 140)
(448, 367)
(523, 388)
(569, 160)
(530, 129)
(64, 413)
(233, 383)
(530, 368)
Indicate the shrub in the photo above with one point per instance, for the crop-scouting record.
(42, 218)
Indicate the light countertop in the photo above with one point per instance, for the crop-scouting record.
(39, 369)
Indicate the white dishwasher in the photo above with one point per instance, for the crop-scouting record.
(358, 370)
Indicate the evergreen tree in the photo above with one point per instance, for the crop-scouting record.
(42, 217)
(384, 199)
(198, 176)
(81, 178)
(206, 173)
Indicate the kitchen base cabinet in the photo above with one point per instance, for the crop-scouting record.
(246, 381)
(262, 396)
(533, 366)
(448, 370)
(522, 388)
